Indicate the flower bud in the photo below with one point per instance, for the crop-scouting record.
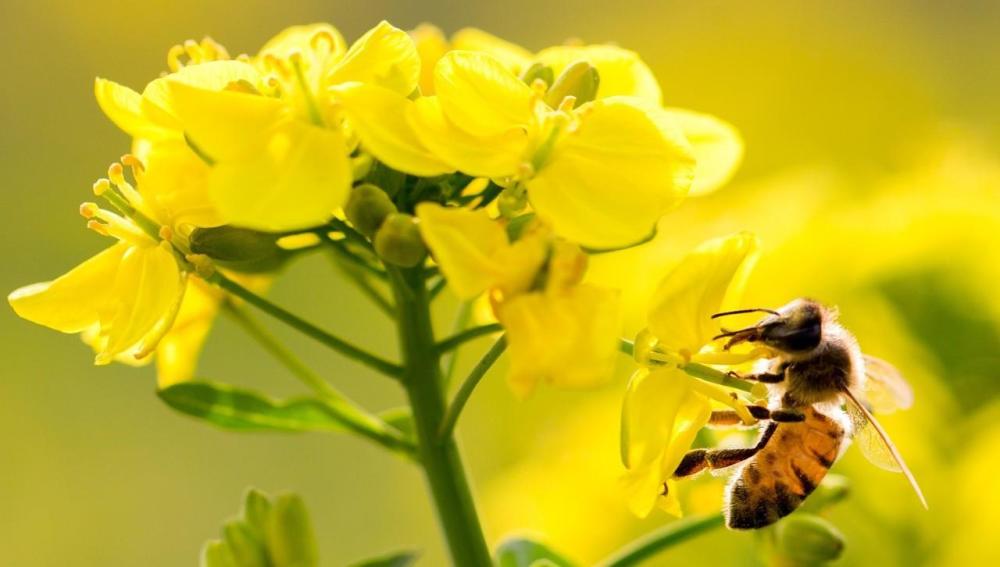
(367, 208)
(240, 249)
(538, 71)
(247, 550)
(580, 80)
(398, 241)
(805, 539)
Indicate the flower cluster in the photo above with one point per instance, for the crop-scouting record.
(508, 166)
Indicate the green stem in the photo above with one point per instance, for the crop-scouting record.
(461, 337)
(438, 455)
(702, 372)
(668, 536)
(334, 342)
(352, 416)
(470, 383)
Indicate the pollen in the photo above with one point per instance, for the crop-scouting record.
(89, 210)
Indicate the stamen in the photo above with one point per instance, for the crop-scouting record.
(166, 233)
(100, 186)
(322, 38)
(135, 166)
(98, 227)
(567, 103)
(89, 210)
(525, 171)
(174, 58)
(194, 51)
(213, 49)
(539, 86)
(117, 175)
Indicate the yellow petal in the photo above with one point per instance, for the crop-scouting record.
(431, 46)
(464, 244)
(302, 39)
(378, 116)
(568, 339)
(608, 182)
(157, 98)
(295, 180)
(71, 302)
(482, 97)
(691, 417)
(622, 72)
(177, 353)
(703, 283)
(175, 182)
(717, 147)
(385, 56)
(669, 502)
(123, 106)
(146, 287)
(510, 55)
(492, 156)
(224, 125)
(652, 403)
(642, 486)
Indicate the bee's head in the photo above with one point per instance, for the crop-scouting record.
(795, 328)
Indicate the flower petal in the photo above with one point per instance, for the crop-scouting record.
(123, 106)
(177, 353)
(510, 55)
(566, 339)
(704, 281)
(608, 182)
(481, 96)
(717, 147)
(378, 115)
(158, 96)
(175, 182)
(298, 176)
(622, 72)
(71, 302)
(431, 46)
(493, 156)
(385, 56)
(652, 403)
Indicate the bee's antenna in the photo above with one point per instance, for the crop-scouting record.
(741, 311)
(726, 333)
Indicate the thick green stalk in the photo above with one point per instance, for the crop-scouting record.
(664, 538)
(439, 455)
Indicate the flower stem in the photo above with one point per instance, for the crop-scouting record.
(438, 454)
(354, 418)
(668, 536)
(334, 342)
(470, 383)
(459, 338)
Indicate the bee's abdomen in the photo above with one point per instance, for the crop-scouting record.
(780, 477)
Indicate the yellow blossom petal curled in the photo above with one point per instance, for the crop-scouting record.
(566, 339)
(177, 354)
(123, 107)
(717, 148)
(385, 56)
(474, 253)
(70, 302)
(510, 55)
(622, 72)
(295, 180)
(431, 46)
(481, 96)
(379, 117)
(702, 284)
(175, 181)
(609, 181)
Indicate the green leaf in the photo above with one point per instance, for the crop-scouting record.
(400, 419)
(398, 559)
(290, 538)
(521, 552)
(243, 410)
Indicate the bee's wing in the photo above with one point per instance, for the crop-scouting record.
(885, 390)
(875, 444)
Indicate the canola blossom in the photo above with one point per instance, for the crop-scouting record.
(424, 165)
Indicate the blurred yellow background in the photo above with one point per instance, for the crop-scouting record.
(871, 175)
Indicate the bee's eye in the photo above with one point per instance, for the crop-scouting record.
(794, 336)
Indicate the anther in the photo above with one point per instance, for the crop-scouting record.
(116, 174)
(539, 86)
(134, 165)
(525, 171)
(98, 227)
(89, 210)
(174, 58)
(567, 103)
(166, 233)
(194, 51)
(100, 186)
(322, 38)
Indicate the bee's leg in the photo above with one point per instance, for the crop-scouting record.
(698, 460)
(787, 415)
(730, 417)
(762, 377)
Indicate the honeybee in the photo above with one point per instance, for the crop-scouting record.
(821, 387)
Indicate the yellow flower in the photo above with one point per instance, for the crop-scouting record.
(664, 407)
(558, 330)
(600, 174)
(432, 45)
(126, 296)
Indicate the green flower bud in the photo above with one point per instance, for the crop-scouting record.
(805, 539)
(579, 80)
(244, 545)
(398, 241)
(256, 509)
(290, 537)
(217, 554)
(538, 71)
(367, 208)
(240, 249)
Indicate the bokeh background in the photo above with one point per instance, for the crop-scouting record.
(872, 175)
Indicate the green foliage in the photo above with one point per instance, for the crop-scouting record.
(522, 552)
(236, 409)
(398, 559)
(269, 532)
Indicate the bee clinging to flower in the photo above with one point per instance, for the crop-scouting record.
(819, 383)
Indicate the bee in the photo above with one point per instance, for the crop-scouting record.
(821, 387)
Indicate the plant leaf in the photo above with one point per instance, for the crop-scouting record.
(522, 552)
(398, 559)
(243, 410)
